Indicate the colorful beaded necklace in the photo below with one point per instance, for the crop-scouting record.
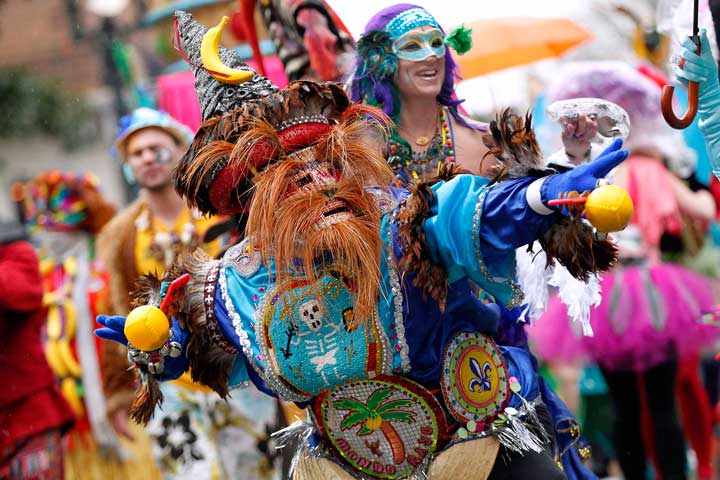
(411, 166)
(165, 245)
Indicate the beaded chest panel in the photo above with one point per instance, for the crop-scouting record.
(304, 338)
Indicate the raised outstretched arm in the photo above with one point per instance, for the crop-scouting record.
(474, 229)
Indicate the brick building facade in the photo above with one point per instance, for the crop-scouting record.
(37, 36)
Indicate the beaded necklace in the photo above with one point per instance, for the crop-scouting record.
(165, 245)
(409, 165)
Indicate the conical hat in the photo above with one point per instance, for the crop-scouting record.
(215, 96)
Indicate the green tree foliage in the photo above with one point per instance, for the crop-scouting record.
(35, 106)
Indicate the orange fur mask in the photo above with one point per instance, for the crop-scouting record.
(313, 206)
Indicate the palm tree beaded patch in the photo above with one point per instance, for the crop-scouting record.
(384, 427)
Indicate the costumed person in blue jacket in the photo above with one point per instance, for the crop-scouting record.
(405, 66)
(703, 69)
(352, 300)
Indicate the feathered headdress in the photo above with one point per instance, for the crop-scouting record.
(217, 97)
(216, 173)
(65, 201)
(258, 144)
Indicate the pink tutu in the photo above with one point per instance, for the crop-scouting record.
(648, 314)
(555, 338)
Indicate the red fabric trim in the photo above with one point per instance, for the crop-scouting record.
(654, 74)
(39, 457)
(300, 136)
(223, 190)
(715, 191)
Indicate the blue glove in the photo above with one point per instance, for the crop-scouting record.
(113, 330)
(703, 70)
(583, 177)
(167, 363)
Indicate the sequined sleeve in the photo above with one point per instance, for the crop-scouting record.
(473, 231)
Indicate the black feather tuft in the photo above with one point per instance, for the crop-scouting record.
(512, 141)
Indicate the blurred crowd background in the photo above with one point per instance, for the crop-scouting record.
(70, 69)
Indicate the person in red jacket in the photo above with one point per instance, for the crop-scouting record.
(33, 413)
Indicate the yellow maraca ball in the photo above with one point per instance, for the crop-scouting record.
(609, 208)
(147, 328)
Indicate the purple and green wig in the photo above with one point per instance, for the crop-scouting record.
(372, 81)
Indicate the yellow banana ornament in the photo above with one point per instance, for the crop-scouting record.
(210, 56)
(54, 321)
(54, 359)
(68, 387)
(65, 354)
(70, 319)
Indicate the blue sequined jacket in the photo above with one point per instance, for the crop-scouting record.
(294, 345)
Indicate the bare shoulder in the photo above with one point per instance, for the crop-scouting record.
(469, 145)
(477, 126)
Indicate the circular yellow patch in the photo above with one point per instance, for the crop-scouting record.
(478, 374)
(474, 378)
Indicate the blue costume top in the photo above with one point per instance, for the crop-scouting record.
(414, 377)
(435, 372)
(293, 337)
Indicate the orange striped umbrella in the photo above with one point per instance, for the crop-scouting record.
(508, 42)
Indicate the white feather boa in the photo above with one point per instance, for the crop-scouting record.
(535, 281)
